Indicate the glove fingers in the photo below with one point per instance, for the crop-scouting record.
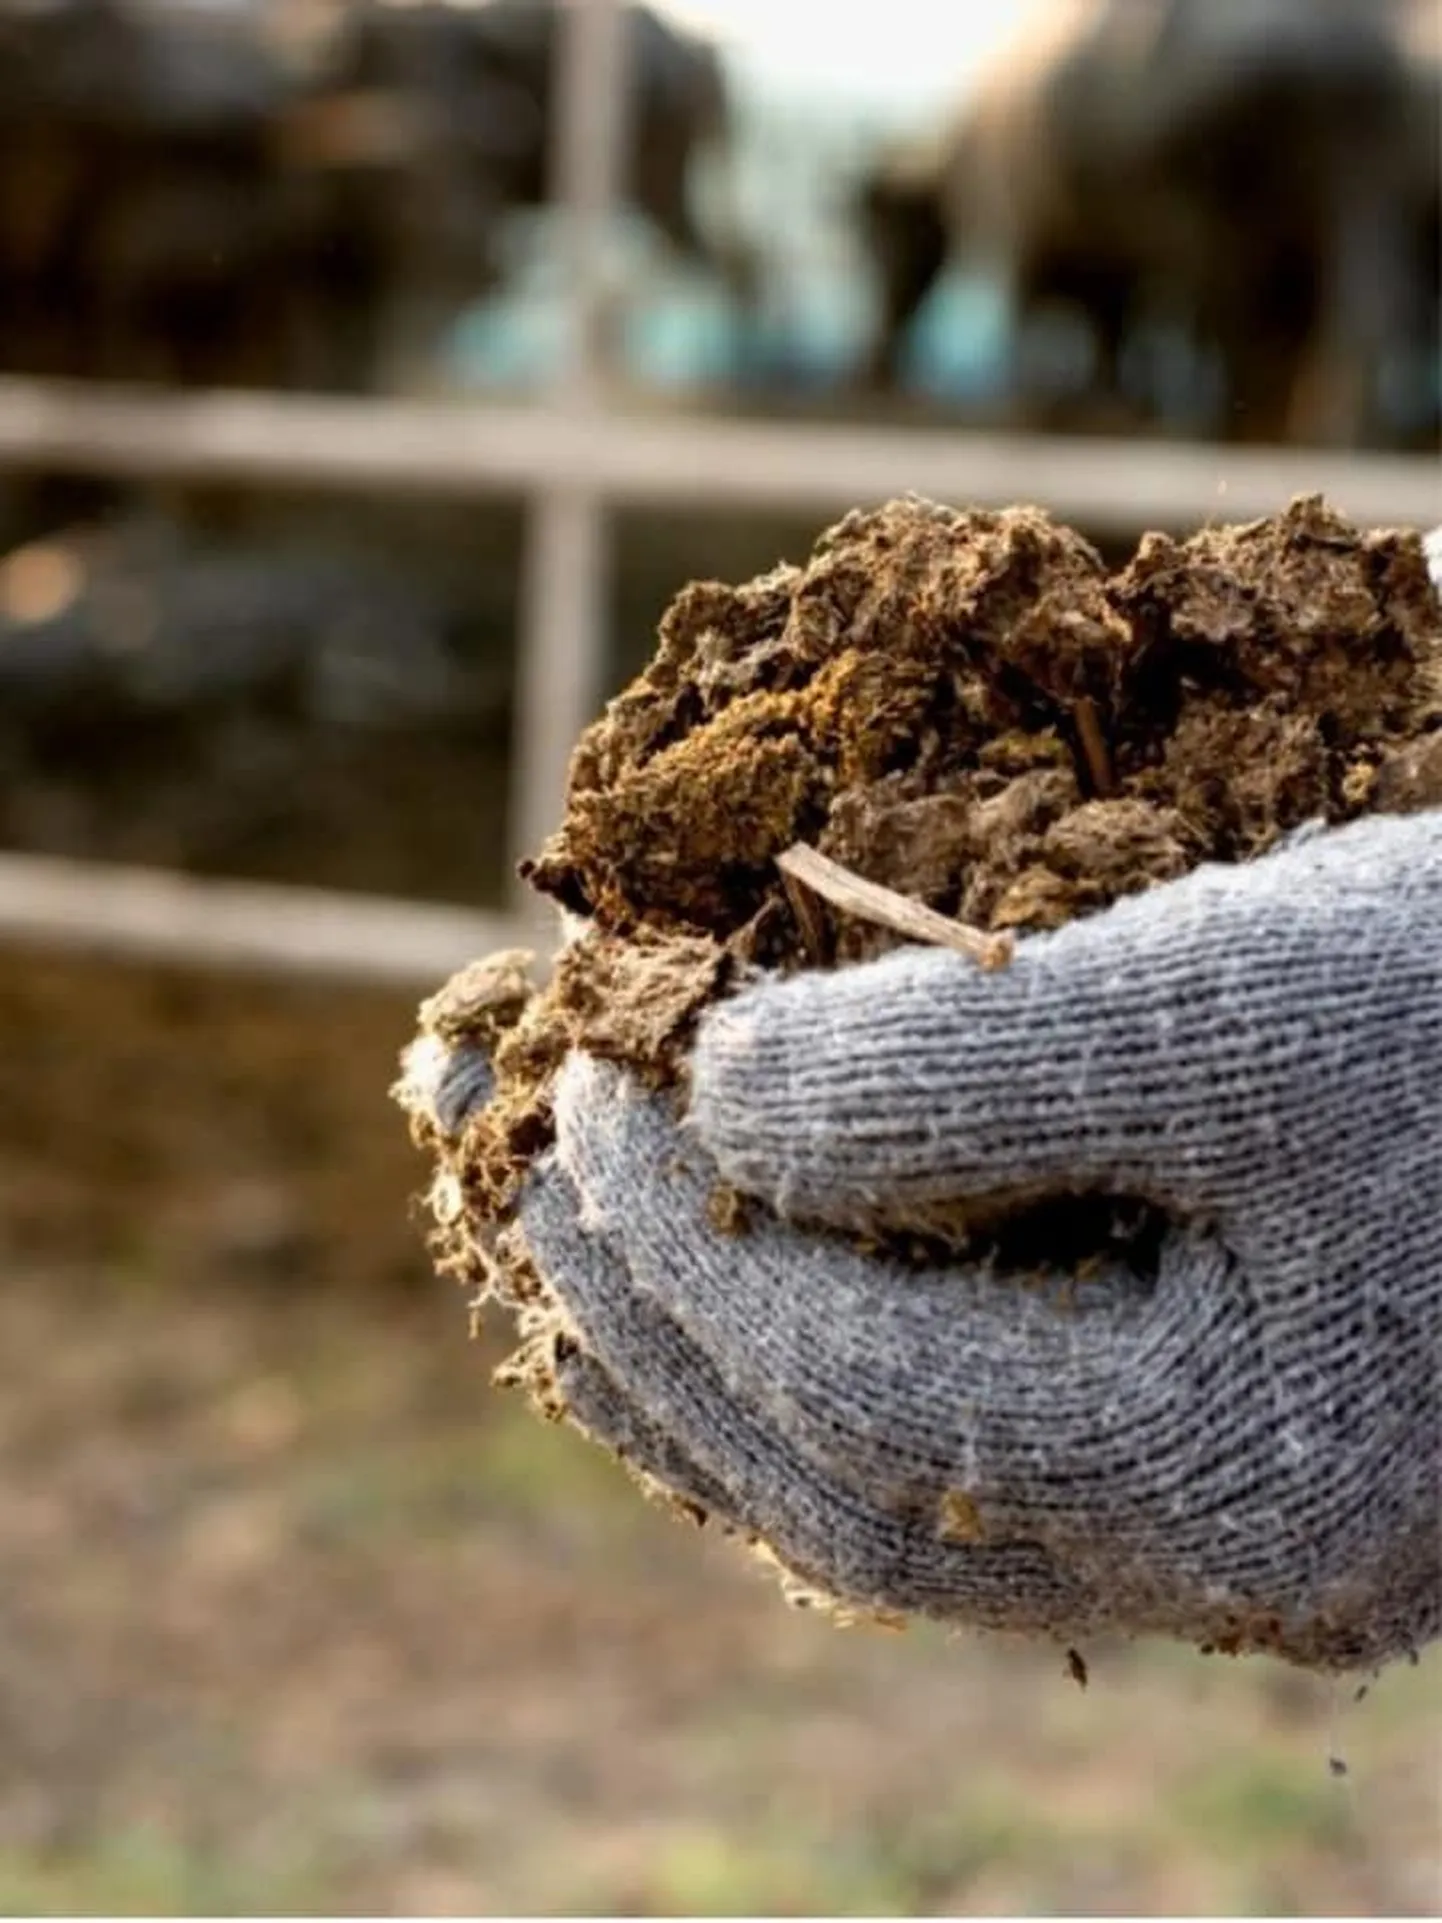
(1045, 1410)
(442, 1084)
(819, 1528)
(598, 1406)
(1192, 1044)
(877, 1558)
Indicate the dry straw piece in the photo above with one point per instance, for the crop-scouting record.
(882, 907)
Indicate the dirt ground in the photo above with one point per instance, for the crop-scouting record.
(298, 1615)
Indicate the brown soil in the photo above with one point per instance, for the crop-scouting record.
(298, 1620)
(235, 1126)
(969, 709)
(917, 702)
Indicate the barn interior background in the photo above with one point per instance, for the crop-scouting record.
(371, 375)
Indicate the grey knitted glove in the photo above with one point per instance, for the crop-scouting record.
(642, 1387)
(1242, 1450)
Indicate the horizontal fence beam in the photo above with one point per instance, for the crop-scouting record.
(640, 459)
(683, 459)
(154, 916)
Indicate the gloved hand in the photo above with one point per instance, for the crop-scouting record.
(1243, 1450)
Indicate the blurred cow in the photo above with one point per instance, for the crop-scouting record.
(138, 238)
(435, 121)
(189, 195)
(1260, 174)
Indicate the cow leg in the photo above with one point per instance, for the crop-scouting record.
(909, 243)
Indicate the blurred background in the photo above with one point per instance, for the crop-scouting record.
(371, 376)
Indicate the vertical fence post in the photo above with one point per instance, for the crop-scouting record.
(565, 576)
